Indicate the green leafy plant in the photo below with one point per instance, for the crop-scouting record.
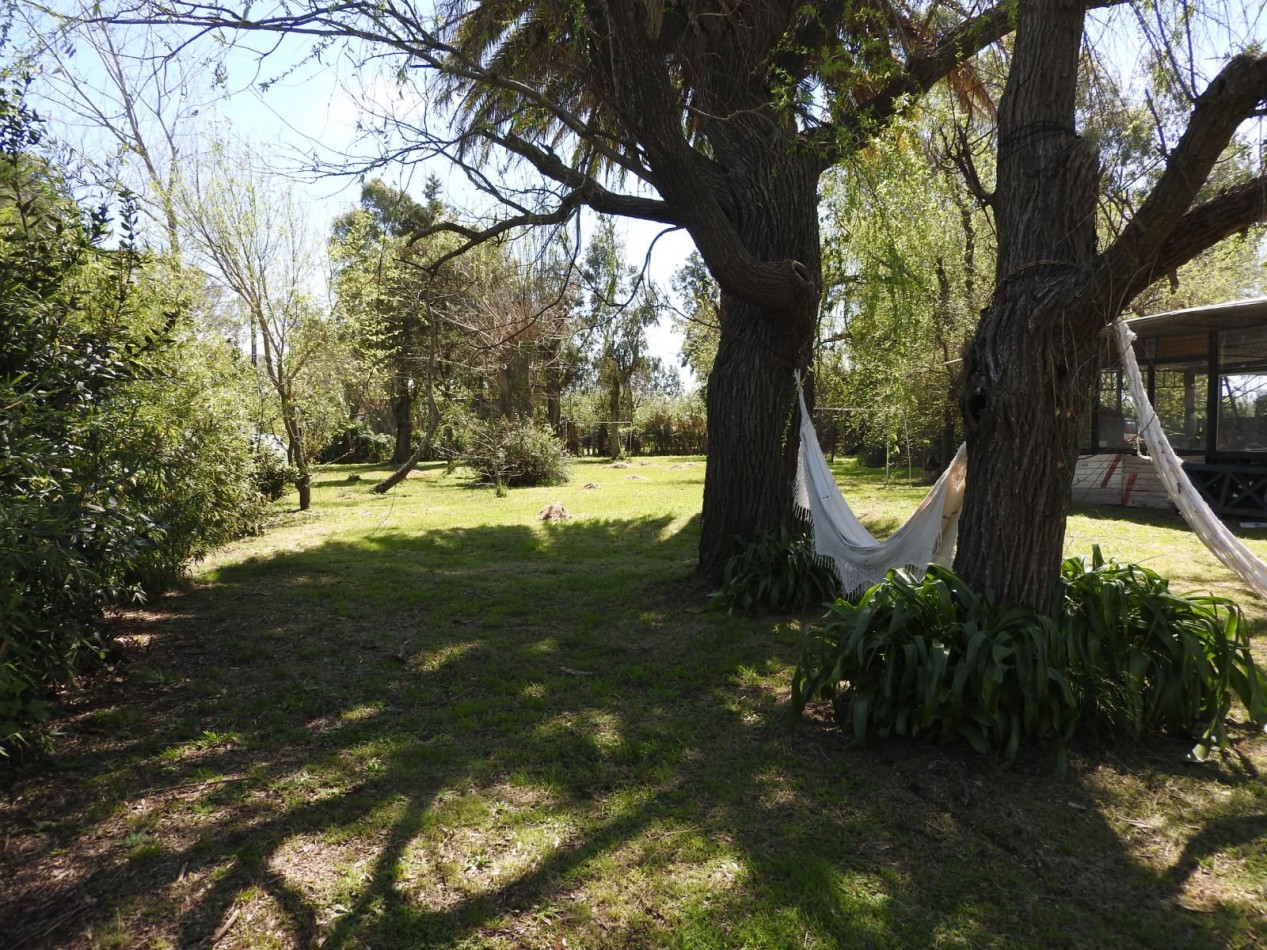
(358, 444)
(931, 657)
(1121, 655)
(1144, 658)
(514, 453)
(776, 571)
(270, 474)
(115, 468)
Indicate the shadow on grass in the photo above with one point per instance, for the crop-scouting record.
(505, 734)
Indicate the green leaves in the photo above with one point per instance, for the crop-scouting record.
(117, 463)
(515, 453)
(1121, 656)
(1145, 658)
(778, 571)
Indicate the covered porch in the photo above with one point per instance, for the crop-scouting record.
(1206, 372)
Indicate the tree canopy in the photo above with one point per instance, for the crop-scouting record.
(722, 118)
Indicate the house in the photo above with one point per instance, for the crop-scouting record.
(1206, 372)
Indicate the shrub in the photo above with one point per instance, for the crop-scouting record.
(672, 426)
(270, 474)
(515, 453)
(116, 466)
(358, 444)
(66, 535)
(180, 441)
(778, 571)
(1121, 656)
(1142, 657)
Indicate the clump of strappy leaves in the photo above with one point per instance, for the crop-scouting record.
(1119, 655)
(776, 572)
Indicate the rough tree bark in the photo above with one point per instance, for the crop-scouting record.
(403, 416)
(1029, 371)
(752, 442)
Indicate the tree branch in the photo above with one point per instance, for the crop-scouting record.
(1233, 210)
(1231, 97)
(837, 139)
(651, 106)
(589, 191)
(477, 236)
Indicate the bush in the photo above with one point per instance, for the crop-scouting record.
(358, 444)
(66, 536)
(270, 474)
(672, 427)
(1122, 656)
(778, 572)
(515, 453)
(181, 441)
(116, 465)
(1143, 658)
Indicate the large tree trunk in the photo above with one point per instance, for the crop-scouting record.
(752, 439)
(1028, 385)
(403, 414)
(1030, 368)
(514, 395)
(613, 415)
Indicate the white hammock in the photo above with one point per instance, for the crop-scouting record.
(1222, 543)
(928, 537)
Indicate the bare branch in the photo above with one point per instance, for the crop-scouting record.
(1234, 95)
(1234, 210)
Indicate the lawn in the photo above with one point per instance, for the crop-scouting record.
(429, 719)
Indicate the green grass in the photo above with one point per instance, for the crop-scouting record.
(428, 719)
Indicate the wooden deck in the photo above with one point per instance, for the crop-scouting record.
(1122, 479)
(1127, 480)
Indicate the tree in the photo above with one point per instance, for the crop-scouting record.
(1030, 368)
(490, 330)
(698, 317)
(248, 231)
(714, 116)
(902, 287)
(133, 104)
(618, 312)
(373, 251)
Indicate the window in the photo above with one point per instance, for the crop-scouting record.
(1242, 422)
(1179, 397)
(1114, 413)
